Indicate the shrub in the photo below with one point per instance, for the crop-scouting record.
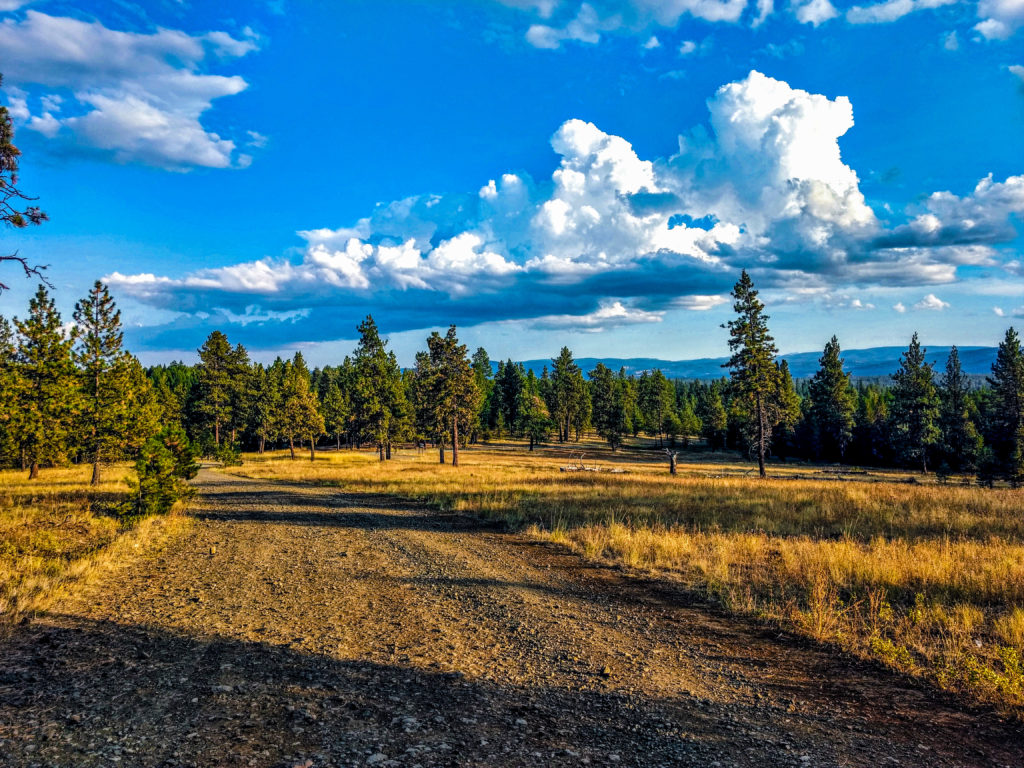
(165, 463)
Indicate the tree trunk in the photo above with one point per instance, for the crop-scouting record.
(380, 451)
(312, 448)
(531, 442)
(95, 472)
(339, 440)
(263, 443)
(671, 463)
(760, 438)
(33, 471)
(387, 451)
(291, 445)
(440, 448)
(216, 432)
(455, 442)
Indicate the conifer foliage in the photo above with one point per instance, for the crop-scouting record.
(754, 375)
(915, 407)
(1007, 428)
(46, 385)
(833, 405)
(103, 371)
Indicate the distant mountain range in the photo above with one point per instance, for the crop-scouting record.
(862, 363)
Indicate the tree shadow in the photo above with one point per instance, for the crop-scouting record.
(79, 693)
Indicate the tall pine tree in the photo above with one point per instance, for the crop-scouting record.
(1007, 422)
(833, 405)
(47, 392)
(960, 439)
(103, 373)
(754, 375)
(915, 406)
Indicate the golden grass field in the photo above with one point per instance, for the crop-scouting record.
(57, 530)
(926, 578)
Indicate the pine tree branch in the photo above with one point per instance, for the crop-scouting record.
(31, 270)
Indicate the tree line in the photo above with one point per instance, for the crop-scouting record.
(79, 396)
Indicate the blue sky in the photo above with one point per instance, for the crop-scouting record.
(540, 172)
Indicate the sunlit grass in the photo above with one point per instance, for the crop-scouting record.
(58, 530)
(927, 578)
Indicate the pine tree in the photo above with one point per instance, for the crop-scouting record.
(377, 390)
(216, 385)
(300, 410)
(657, 399)
(453, 395)
(713, 417)
(1007, 408)
(8, 392)
(48, 392)
(568, 401)
(336, 410)
(103, 374)
(784, 433)
(915, 406)
(961, 442)
(754, 376)
(609, 413)
(12, 214)
(833, 405)
(534, 417)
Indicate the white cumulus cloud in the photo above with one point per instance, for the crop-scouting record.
(613, 238)
(139, 97)
(1000, 19)
(932, 302)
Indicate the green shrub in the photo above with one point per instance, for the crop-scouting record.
(165, 463)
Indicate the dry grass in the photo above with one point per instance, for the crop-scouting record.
(58, 530)
(927, 578)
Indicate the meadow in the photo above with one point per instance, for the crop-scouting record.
(924, 577)
(58, 531)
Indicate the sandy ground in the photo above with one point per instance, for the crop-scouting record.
(299, 626)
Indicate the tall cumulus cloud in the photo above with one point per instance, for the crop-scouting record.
(612, 238)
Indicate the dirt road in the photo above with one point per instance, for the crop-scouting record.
(300, 626)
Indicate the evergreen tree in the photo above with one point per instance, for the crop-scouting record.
(12, 214)
(216, 383)
(266, 403)
(915, 406)
(482, 373)
(657, 398)
(833, 405)
(784, 433)
(47, 391)
(754, 376)
(609, 413)
(713, 417)
(535, 419)
(961, 442)
(300, 411)
(1007, 421)
(9, 389)
(377, 391)
(689, 423)
(103, 367)
(568, 401)
(336, 410)
(453, 396)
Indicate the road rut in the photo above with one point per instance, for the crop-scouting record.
(297, 625)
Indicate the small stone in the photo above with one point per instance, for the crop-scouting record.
(606, 672)
(520, 722)
(376, 758)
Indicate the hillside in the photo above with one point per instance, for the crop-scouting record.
(867, 363)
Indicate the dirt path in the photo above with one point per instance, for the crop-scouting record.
(297, 625)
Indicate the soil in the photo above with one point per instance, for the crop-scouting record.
(297, 625)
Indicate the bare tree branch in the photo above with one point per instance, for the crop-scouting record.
(31, 270)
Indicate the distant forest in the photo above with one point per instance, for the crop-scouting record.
(78, 396)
